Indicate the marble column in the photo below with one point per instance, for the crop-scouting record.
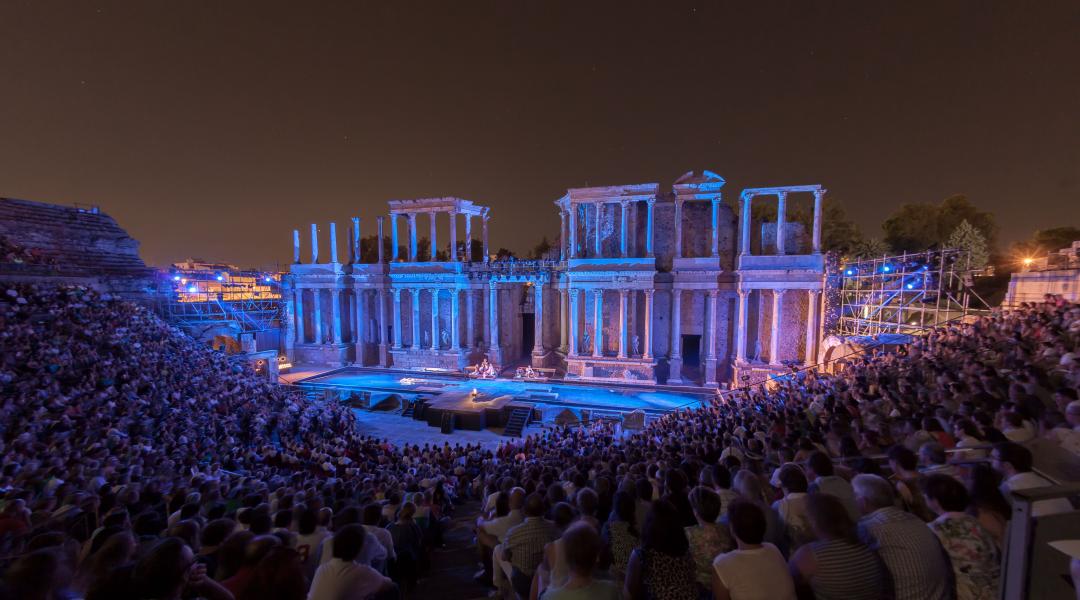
(468, 245)
(598, 322)
(358, 330)
(651, 204)
(393, 237)
(379, 220)
(300, 337)
(316, 315)
(432, 216)
(774, 340)
(623, 205)
(493, 316)
(675, 344)
(716, 227)
(470, 319)
(380, 297)
(573, 231)
(288, 316)
(487, 251)
(818, 195)
(574, 312)
(538, 319)
(348, 307)
(596, 244)
(453, 237)
(781, 218)
(314, 243)
(678, 228)
(335, 315)
(744, 231)
(623, 330)
(296, 246)
(710, 348)
(415, 293)
(809, 354)
(646, 348)
(562, 235)
(397, 319)
(333, 243)
(436, 338)
(355, 240)
(740, 327)
(564, 319)
(455, 320)
(412, 237)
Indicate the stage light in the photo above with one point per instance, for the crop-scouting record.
(267, 279)
(849, 272)
(1028, 261)
(192, 289)
(176, 278)
(220, 278)
(886, 268)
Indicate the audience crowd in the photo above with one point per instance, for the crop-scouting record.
(135, 463)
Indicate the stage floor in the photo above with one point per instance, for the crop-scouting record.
(575, 395)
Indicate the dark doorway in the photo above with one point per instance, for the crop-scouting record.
(528, 336)
(691, 350)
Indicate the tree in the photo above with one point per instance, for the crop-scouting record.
(969, 239)
(920, 227)
(871, 248)
(542, 249)
(504, 253)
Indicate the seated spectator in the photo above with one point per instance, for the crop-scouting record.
(823, 479)
(707, 539)
(972, 551)
(792, 507)
(836, 566)
(1014, 462)
(524, 547)
(583, 547)
(408, 547)
(662, 567)
(913, 557)
(344, 578)
(755, 569)
(620, 534)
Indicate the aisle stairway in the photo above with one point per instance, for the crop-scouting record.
(453, 566)
(519, 418)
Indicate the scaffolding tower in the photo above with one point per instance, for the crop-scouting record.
(906, 294)
(201, 297)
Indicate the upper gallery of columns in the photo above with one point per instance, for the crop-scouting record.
(448, 204)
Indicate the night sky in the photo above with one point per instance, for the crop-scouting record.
(212, 129)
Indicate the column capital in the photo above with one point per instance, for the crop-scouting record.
(779, 291)
(493, 284)
(624, 202)
(599, 293)
(714, 293)
(649, 293)
(623, 292)
(396, 292)
(411, 216)
(651, 202)
(782, 195)
(574, 293)
(818, 193)
(743, 292)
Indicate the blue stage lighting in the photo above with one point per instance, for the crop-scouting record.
(268, 279)
(176, 278)
(886, 268)
(220, 278)
(849, 272)
(192, 289)
(911, 286)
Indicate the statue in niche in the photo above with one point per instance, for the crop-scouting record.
(757, 350)
(445, 338)
(586, 339)
(635, 346)
(427, 339)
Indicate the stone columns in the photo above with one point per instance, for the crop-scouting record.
(678, 228)
(596, 243)
(415, 293)
(412, 237)
(335, 316)
(316, 315)
(573, 230)
(468, 245)
(333, 243)
(538, 319)
(598, 323)
(358, 331)
(574, 312)
(646, 348)
(296, 246)
(740, 328)
(379, 241)
(470, 318)
(487, 251)
(744, 231)
(314, 243)
(453, 237)
(397, 319)
(434, 237)
(675, 350)
(380, 297)
(774, 341)
(455, 319)
(564, 319)
(710, 348)
(716, 227)
(651, 204)
(299, 304)
(623, 205)
(623, 329)
(355, 240)
(781, 217)
(436, 342)
(562, 235)
(393, 238)
(818, 195)
(809, 354)
(493, 316)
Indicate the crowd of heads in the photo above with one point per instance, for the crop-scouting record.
(138, 463)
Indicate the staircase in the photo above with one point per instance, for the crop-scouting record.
(519, 418)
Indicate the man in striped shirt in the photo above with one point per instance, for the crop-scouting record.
(916, 562)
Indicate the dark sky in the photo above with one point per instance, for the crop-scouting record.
(213, 128)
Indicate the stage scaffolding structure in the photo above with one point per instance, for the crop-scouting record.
(202, 297)
(906, 294)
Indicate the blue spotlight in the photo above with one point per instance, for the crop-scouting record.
(220, 278)
(911, 286)
(176, 278)
(268, 279)
(886, 268)
(192, 289)
(849, 272)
